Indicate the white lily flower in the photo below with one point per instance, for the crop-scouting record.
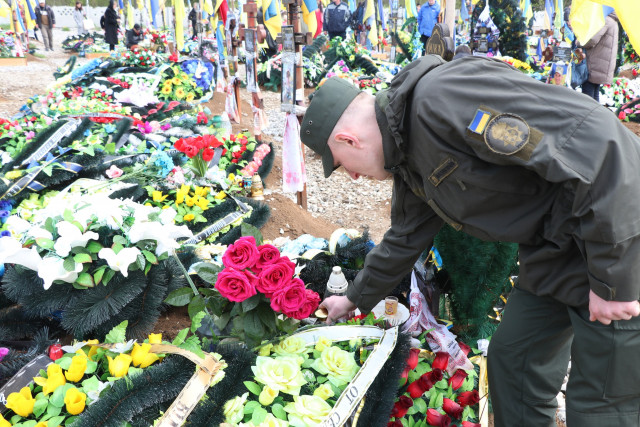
(17, 225)
(164, 235)
(37, 232)
(52, 269)
(120, 261)
(167, 216)
(71, 237)
(122, 347)
(12, 252)
(73, 348)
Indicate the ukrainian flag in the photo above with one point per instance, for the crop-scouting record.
(271, 15)
(178, 7)
(479, 122)
(559, 14)
(22, 28)
(309, 8)
(5, 10)
(410, 7)
(587, 18)
(370, 13)
(548, 19)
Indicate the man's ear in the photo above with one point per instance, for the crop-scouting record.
(349, 139)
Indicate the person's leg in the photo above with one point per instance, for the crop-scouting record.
(591, 89)
(50, 37)
(424, 39)
(528, 360)
(112, 46)
(604, 385)
(45, 37)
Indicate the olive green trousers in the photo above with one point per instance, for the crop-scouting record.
(529, 356)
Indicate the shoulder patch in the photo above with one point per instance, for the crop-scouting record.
(506, 134)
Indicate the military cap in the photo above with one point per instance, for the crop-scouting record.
(324, 111)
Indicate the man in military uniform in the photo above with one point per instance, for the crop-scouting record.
(492, 152)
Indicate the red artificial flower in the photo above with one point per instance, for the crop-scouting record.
(412, 361)
(275, 276)
(457, 379)
(309, 306)
(179, 145)
(419, 387)
(622, 115)
(435, 375)
(452, 408)
(55, 352)
(401, 407)
(234, 161)
(441, 361)
(242, 254)
(405, 375)
(634, 72)
(207, 154)
(470, 424)
(436, 419)
(269, 254)
(202, 118)
(235, 285)
(291, 299)
(191, 151)
(468, 398)
(465, 348)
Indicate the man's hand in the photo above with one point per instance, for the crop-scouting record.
(605, 311)
(337, 307)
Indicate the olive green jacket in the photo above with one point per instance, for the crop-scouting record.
(545, 167)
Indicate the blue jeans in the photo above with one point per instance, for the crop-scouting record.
(591, 89)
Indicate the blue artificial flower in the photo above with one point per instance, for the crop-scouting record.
(5, 205)
(5, 233)
(110, 128)
(87, 133)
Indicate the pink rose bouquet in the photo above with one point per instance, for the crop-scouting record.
(261, 284)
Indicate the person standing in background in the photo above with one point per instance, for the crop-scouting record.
(111, 25)
(45, 20)
(194, 16)
(427, 19)
(336, 19)
(79, 15)
(601, 52)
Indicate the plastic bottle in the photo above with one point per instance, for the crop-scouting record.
(337, 283)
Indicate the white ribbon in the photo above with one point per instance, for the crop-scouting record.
(293, 171)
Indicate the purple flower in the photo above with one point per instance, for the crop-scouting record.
(4, 215)
(165, 126)
(5, 233)
(3, 352)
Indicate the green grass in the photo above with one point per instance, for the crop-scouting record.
(38, 55)
(65, 29)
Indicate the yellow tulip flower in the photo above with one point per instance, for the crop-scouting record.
(188, 217)
(3, 422)
(200, 191)
(155, 338)
(184, 189)
(158, 197)
(203, 203)
(141, 356)
(190, 201)
(74, 401)
(55, 378)
(221, 195)
(77, 368)
(119, 366)
(267, 395)
(42, 424)
(179, 198)
(21, 403)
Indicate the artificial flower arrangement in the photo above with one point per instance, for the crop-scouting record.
(8, 47)
(619, 92)
(630, 111)
(141, 57)
(296, 383)
(15, 134)
(255, 294)
(188, 201)
(234, 149)
(85, 240)
(84, 373)
(516, 63)
(177, 85)
(199, 150)
(431, 396)
(201, 72)
(58, 105)
(158, 40)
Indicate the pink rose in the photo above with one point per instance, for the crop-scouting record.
(309, 306)
(114, 172)
(290, 299)
(236, 285)
(269, 254)
(242, 254)
(275, 276)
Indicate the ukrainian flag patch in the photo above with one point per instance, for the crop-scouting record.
(479, 122)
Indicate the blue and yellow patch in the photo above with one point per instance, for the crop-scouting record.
(480, 121)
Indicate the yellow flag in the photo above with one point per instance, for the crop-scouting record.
(272, 18)
(208, 7)
(179, 11)
(5, 10)
(310, 19)
(370, 11)
(131, 20)
(587, 18)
